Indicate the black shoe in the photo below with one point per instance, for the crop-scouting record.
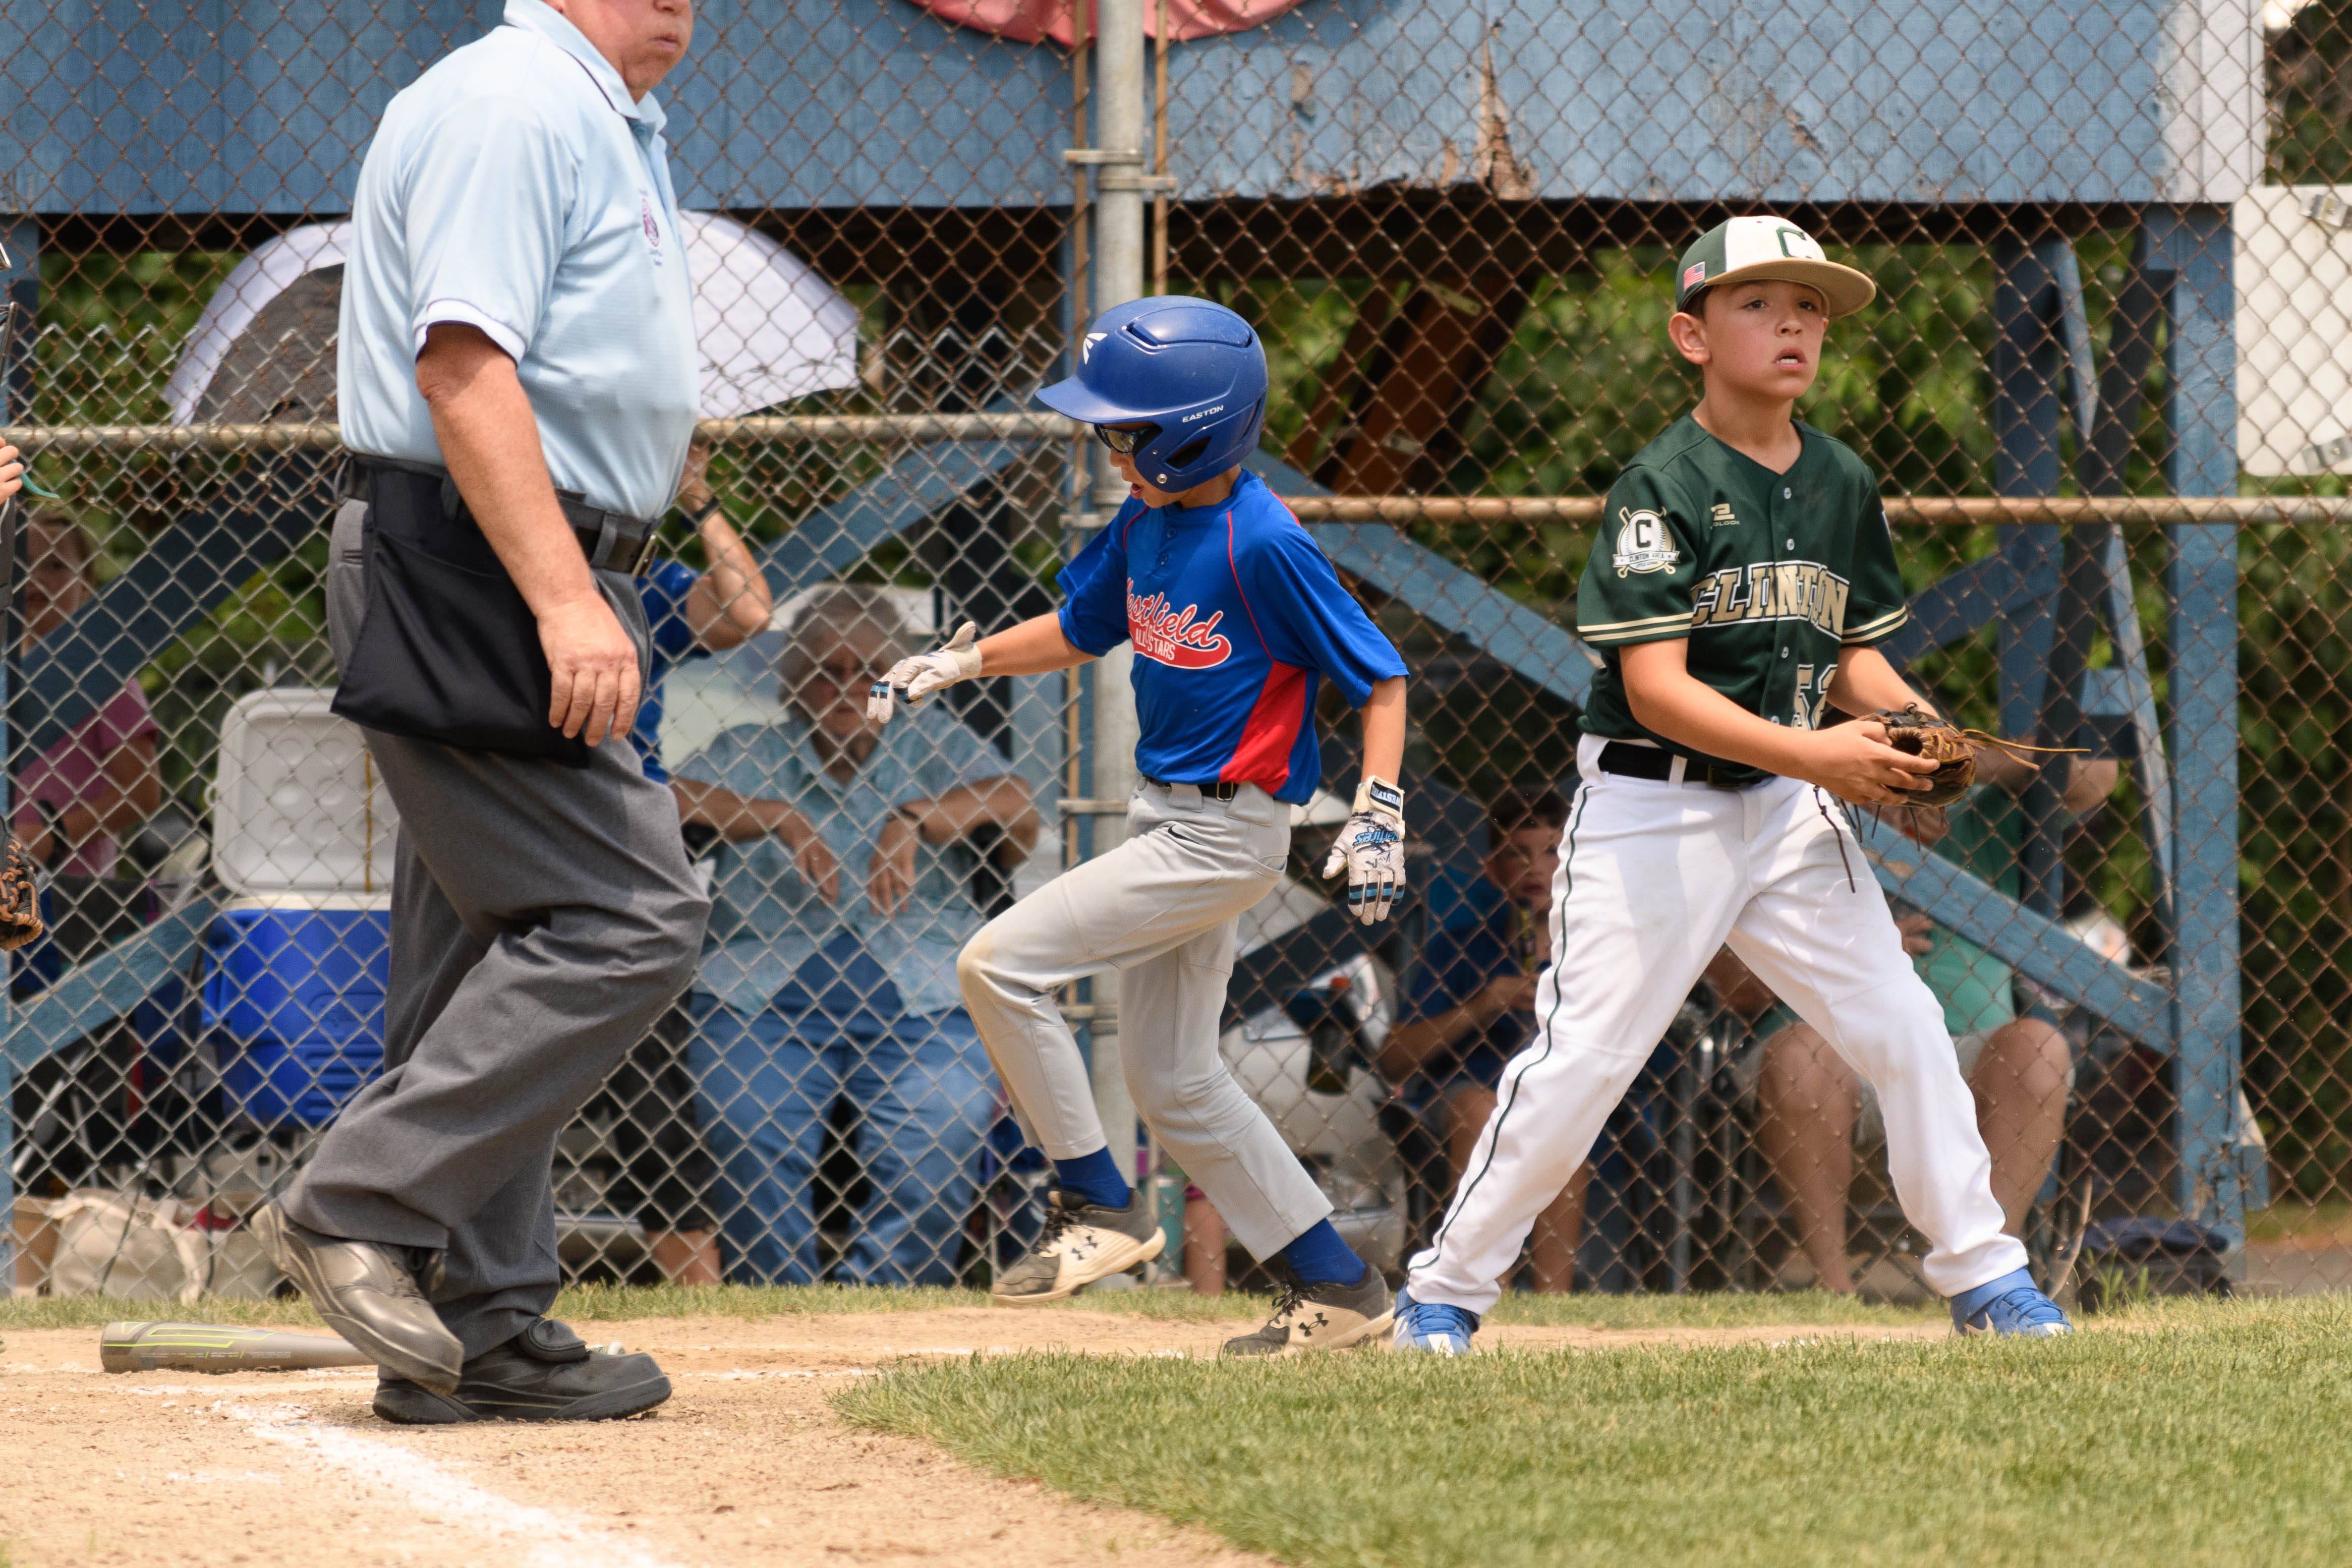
(546, 1372)
(1325, 1316)
(366, 1292)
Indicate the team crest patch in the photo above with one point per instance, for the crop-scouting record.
(1644, 543)
(1176, 638)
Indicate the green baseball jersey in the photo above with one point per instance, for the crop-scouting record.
(1770, 576)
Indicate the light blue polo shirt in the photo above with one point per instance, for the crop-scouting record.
(514, 187)
(766, 920)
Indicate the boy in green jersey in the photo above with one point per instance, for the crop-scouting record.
(1741, 579)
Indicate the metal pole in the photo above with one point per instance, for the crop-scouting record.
(1159, 150)
(1116, 272)
(2220, 1173)
(1118, 257)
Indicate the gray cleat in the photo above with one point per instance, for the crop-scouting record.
(366, 1292)
(1082, 1242)
(1320, 1317)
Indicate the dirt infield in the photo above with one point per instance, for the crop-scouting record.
(747, 1464)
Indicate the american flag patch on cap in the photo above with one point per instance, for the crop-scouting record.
(1695, 273)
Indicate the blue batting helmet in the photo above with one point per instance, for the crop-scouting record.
(1190, 367)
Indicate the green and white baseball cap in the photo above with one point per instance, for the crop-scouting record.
(1745, 250)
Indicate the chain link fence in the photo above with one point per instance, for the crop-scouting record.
(2105, 382)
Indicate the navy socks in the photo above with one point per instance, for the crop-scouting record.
(1095, 1178)
(1319, 1258)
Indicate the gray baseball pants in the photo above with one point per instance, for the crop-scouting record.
(1161, 909)
(542, 918)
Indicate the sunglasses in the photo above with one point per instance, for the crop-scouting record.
(842, 677)
(1125, 441)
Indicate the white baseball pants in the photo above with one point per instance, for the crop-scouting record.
(1161, 909)
(1653, 878)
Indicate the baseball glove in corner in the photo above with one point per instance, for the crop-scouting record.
(1914, 731)
(20, 898)
(1911, 729)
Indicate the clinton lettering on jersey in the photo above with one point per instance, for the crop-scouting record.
(1176, 638)
(1772, 591)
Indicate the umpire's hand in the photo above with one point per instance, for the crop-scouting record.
(489, 438)
(594, 665)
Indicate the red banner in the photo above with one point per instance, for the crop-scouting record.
(1036, 21)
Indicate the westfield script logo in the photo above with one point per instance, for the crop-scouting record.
(1174, 637)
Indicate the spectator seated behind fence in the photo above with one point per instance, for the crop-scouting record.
(842, 897)
(1813, 1108)
(78, 797)
(1470, 1006)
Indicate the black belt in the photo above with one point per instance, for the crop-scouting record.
(1224, 791)
(613, 541)
(1651, 762)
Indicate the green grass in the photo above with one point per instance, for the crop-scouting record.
(2205, 1433)
(614, 1304)
(96, 1312)
(1712, 1309)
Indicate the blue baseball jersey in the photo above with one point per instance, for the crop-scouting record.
(1235, 613)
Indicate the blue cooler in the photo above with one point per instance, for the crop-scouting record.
(295, 969)
(293, 1002)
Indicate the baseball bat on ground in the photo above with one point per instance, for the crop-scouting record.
(219, 1347)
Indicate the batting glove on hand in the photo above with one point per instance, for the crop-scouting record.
(1371, 846)
(912, 680)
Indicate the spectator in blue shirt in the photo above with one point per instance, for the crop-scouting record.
(695, 613)
(842, 897)
(1470, 1005)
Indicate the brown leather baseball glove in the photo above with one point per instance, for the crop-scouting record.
(1914, 731)
(20, 898)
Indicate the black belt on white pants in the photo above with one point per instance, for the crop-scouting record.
(1657, 765)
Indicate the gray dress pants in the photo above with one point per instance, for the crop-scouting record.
(542, 918)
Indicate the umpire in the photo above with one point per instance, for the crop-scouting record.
(517, 385)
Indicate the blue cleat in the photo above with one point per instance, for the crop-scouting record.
(2009, 1307)
(1432, 1326)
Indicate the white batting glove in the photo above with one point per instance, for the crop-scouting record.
(1371, 846)
(913, 679)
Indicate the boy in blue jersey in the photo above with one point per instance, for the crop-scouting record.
(1235, 616)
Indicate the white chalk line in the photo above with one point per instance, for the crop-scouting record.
(741, 1376)
(413, 1484)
